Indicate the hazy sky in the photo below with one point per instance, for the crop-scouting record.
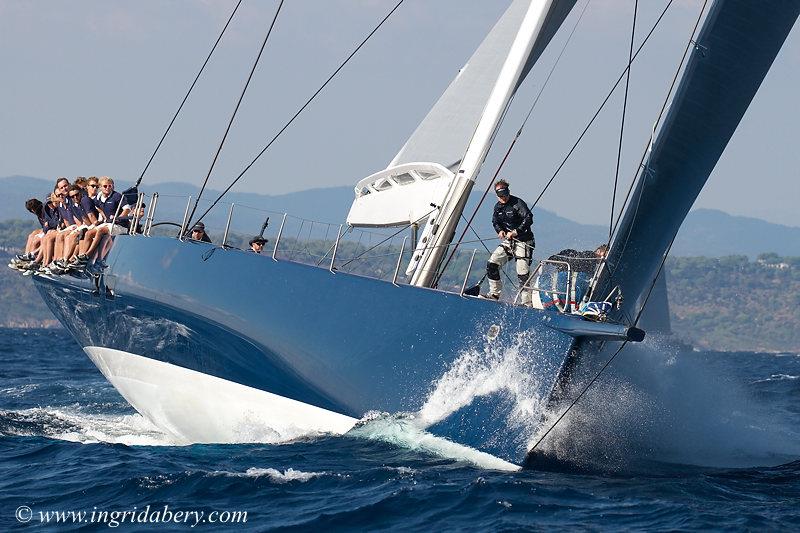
(88, 86)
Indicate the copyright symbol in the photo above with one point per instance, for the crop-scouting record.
(23, 514)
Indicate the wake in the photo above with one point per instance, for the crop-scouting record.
(72, 424)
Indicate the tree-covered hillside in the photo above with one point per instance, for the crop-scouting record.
(732, 303)
(726, 303)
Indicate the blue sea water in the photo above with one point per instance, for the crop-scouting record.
(671, 439)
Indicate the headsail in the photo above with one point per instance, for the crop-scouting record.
(732, 55)
(423, 171)
(445, 132)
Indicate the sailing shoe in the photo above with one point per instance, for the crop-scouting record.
(490, 296)
(57, 270)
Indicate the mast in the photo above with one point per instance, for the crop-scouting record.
(733, 53)
(442, 223)
(428, 181)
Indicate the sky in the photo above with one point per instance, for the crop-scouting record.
(87, 87)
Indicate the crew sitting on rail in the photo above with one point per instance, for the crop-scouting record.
(72, 234)
(77, 244)
(92, 188)
(257, 244)
(108, 205)
(34, 240)
(76, 228)
(512, 220)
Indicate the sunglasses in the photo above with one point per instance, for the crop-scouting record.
(92, 185)
(502, 192)
(74, 195)
(106, 186)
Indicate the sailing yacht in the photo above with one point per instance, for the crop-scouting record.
(178, 329)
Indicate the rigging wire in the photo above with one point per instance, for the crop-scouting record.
(642, 166)
(390, 237)
(510, 148)
(191, 87)
(610, 359)
(302, 108)
(622, 123)
(235, 110)
(602, 105)
(663, 107)
(663, 259)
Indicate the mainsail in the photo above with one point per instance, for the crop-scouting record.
(731, 57)
(430, 178)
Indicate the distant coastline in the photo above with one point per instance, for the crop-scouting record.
(727, 303)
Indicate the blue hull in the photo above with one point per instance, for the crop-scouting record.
(343, 343)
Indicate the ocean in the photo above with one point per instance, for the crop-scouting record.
(671, 438)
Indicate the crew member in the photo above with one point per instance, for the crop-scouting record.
(512, 220)
(257, 244)
(198, 233)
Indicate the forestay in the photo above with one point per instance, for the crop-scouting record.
(731, 57)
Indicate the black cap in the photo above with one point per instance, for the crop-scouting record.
(199, 226)
(258, 239)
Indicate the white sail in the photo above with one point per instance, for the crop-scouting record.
(446, 131)
(404, 192)
(540, 21)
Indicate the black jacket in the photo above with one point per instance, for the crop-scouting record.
(513, 215)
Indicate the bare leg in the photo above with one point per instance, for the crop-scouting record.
(33, 241)
(70, 243)
(59, 245)
(48, 247)
(88, 241)
(106, 247)
(100, 233)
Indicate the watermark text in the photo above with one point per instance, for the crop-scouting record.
(146, 515)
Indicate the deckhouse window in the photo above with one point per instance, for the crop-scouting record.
(382, 184)
(403, 179)
(427, 175)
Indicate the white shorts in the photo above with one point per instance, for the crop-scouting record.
(114, 229)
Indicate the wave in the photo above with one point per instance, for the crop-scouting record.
(76, 425)
(276, 476)
(406, 431)
(505, 383)
(778, 377)
(661, 402)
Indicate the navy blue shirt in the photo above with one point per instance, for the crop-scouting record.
(51, 217)
(109, 206)
(66, 215)
(88, 205)
(77, 212)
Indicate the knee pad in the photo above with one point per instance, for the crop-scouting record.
(493, 271)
